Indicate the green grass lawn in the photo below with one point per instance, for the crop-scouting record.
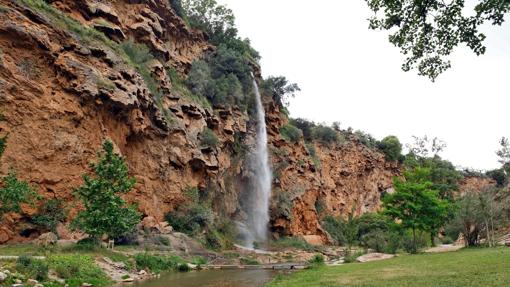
(469, 267)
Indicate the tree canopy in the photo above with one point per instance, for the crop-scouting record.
(106, 213)
(415, 204)
(428, 31)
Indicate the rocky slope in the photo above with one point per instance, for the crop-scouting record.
(65, 87)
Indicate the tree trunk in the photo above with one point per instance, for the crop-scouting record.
(432, 243)
(415, 249)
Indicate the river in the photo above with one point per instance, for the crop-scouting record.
(212, 278)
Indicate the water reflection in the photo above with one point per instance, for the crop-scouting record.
(213, 278)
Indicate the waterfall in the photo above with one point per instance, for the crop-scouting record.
(256, 226)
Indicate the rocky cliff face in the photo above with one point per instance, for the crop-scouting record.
(65, 87)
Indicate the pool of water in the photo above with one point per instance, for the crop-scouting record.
(212, 278)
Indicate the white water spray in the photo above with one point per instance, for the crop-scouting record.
(256, 226)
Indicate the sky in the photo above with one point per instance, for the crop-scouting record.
(350, 74)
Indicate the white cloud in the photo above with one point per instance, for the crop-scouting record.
(351, 74)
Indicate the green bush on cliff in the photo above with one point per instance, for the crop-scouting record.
(208, 138)
(325, 134)
(50, 214)
(13, 193)
(106, 213)
(391, 147)
(291, 133)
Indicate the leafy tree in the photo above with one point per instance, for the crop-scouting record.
(391, 147)
(13, 193)
(179, 10)
(106, 213)
(280, 89)
(218, 22)
(415, 204)
(504, 152)
(499, 176)
(428, 31)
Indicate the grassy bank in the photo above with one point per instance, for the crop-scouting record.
(470, 267)
(78, 264)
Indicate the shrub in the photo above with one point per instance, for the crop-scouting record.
(291, 133)
(325, 134)
(317, 260)
(50, 214)
(391, 147)
(293, 242)
(190, 219)
(78, 269)
(350, 257)
(199, 260)
(208, 138)
(157, 263)
(248, 261)
(447, 240)
(366, 139)
(33, 268)
(13, 193)
(408, 244)
(499, 176)
(305, 126)
(335, 228)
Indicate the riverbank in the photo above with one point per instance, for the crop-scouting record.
(466, 267)
(78, 265)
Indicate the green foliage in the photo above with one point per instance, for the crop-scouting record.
(391, 147)
(199, 260)
(279, 89)
(415, 204)
(32, 268)
(223, 79)
(105, 211)
(305, 126)
(477, 216)
(335, 227)
(281, 205)
(78, 269)
(248, 261)
(443, 174)
(317, 260)
(291, 133)
(208, 138)
(50, 214)
(13, 193)
(156, 263)
(325, 134)
(179, 10)
(179, 86)
(366, 139)
(292, 243)
(428, 31)
(218, 22)
(499, 176)
(350, 257)
(190, 219)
